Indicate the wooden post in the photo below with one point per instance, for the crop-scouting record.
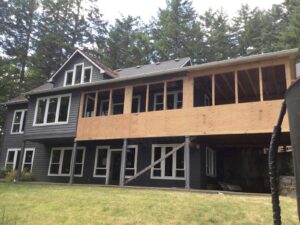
(213, 90)
(187, 161)
(261, 88)
(236, 87)
(123, 163)
(21, 161)
(110, 102)
(147, 98)
(95, 103)
(128, 99)
(73, 159)
(165, 95)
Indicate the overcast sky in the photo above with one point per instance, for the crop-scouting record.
(146, 9)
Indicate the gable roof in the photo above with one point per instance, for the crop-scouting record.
(101, 67)
(155, 67)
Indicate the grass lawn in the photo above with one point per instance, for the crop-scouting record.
(61, 204)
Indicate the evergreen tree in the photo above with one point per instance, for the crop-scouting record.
(176, 32)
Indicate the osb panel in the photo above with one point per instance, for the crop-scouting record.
(255, 117)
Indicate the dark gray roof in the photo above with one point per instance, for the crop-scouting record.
(155, 67)
(17, 100)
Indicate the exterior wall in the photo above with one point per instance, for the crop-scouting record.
(52, 131)
(59, 79)
(10, 140)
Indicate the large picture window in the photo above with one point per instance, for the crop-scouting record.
(172, 167)
(52, 110)
(60, 161)
(19, 120)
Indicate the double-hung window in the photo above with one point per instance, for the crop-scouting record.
(78, 75)
(101, 162)
(172, 167)
(60, 161)
(19, 120)
(13, 159)
(52, 110)
(211, 165)
(28, 159)
(131, 161)
(158, 101)
(174, 100)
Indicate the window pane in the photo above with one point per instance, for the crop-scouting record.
(54, 168)
(157, 173)
(11, 156)
(135, 106)
(52, 110)
(130, 158)
(102, 156)
(28, 157)
(18, 116)
(89, 105)
(24, 121)
(157, 156)
(63, 110)
(118, 109)
(78, 169)
(87, 75)
(27, 167)
(79, 156)
(104, 108)
(180, 173)
(101, 172)
(18, 160)
(41, 111)
(169, 162)
(66, 162)
(16, 128)
(129, 172)
(180, 159)
(69, 78)
(55, 156)
(78, 74)
(159, 105)
(170, 101)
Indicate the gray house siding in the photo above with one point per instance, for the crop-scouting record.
(59, 78)
(10, 140)
(52, 131)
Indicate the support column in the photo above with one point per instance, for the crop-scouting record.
(123, 163)
(73, 159)
(187, 161)
(21, 161)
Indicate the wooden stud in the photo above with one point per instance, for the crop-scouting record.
(236, 87)
(128, 99)
(165, 95)
(188, 92)
(147, 98)
(110, 102)
(96, 103)
(261, 87)
(81, 104)
(213, 89)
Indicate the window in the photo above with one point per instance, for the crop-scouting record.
(19, 120)
(28, 159)
(78, 75)
(211, 165)
(52, 110)
(139, 99)
(89, 105)
(158, 101)
(203, 91)
(224, 88)
(101, 165)
(172, 167)
(174, 94)
(248, 85)
(118, 101)
(103, 103)
(13, 159)
(156, 97)
(69, 77)
(60, 161)
(136, 104)
(131, 161)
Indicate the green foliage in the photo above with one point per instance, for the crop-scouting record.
(11, 176)
(2, 172)
(26, 176)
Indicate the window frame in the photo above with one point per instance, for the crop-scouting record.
(98, 148)
(175, 99)
(18, 150)
(138, 97)
(174, 163)
(56, 122)
(32, 159)
(155, 95)
(21, 121)
(135, 160)
(210, 162)
(81, 76)
(61, 156)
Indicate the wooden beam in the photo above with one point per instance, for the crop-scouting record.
(96, 103)
(213, 89)
(123, 163)
(261, 87)
(188, 96)
(73, 159)
(81, 104)
(110, 102)
(128, 99)
(156, 162)
(165, 95)
(187, 162)
(236, 87)
(147, 98)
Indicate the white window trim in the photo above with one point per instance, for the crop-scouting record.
(155, 100)
(135, 160)
(65, 81)
(62, 152)
(47, 108)
(15, 158)
(138, 97)
(21, 121)
(108, 159)
(82, 74)
(175, 93)
(211, 167)
(32, 159)
(174, 164)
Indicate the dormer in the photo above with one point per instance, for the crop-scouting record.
(81, 68)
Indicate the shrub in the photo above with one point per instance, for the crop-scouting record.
(11, 176)
(26, 176)
(3, 172)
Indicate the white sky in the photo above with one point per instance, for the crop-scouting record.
(112, 9)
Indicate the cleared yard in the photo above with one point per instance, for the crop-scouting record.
(62, 204)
